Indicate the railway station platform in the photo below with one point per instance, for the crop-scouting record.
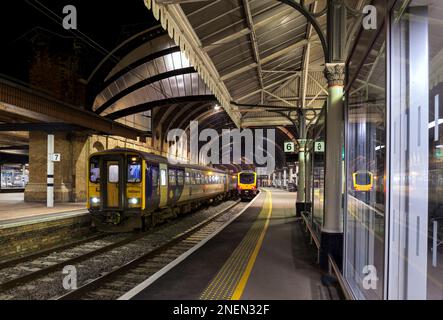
(13, 209)
(263, 254)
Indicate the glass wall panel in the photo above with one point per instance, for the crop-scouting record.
(416, 164)
(365, 174)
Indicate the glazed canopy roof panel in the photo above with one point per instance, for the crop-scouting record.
(225, 33)
(257, 48)
(161, 72)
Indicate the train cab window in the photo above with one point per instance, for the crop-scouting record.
(113, 171)
(134, 169)
(94, 170)
(162, 177)
(363, 178)
(180, 179)
(247, 178)
(172, 177)
(187, 178)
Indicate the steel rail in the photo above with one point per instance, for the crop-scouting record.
(94, 284)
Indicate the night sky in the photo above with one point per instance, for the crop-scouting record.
(23, 23)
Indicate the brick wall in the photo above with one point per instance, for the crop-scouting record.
(30, 238)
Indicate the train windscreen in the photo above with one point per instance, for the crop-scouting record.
(134, 169)
(94, 170)
(247, 178)
(363, 179)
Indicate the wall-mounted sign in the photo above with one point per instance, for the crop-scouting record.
(319, 146)
(56, 157)
(289, 147)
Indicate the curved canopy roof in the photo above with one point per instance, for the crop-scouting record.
(259, 55)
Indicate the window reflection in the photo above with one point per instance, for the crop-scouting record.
(94, 170)
(366, 133)
(134, 169)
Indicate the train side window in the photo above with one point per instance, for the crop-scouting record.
(197, 178)
(187, 178)
(193, 178)
(180, 180)
(172, 178)
(94, 170)
(162, 177)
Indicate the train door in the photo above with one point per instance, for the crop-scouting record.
(113, 181)
(163, 173)
(152, 186)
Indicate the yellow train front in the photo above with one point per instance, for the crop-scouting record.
(129, 189)
(363, 181)
(247, 185)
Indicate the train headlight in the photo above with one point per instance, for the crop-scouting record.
(134, 201)
(95, 200)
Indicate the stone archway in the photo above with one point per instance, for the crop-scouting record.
(98, 146)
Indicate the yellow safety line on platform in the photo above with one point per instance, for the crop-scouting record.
(230, 281)
(238, 292)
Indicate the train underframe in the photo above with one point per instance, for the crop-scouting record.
(247, 194)
(128, 220)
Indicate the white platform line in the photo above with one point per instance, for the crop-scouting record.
(142, 286)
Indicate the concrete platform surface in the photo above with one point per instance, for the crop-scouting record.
(263, 254)
(13, 206)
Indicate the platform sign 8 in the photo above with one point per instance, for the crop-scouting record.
(289, 146)
(319, 146)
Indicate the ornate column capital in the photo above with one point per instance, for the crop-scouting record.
(335, 74)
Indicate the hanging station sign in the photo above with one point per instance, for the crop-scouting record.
(289, 147)
(319, 146)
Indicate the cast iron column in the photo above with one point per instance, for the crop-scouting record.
(332, 230)
(301, 184)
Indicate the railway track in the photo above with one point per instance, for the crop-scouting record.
(114, 284)
(39, 276)
(43, 264)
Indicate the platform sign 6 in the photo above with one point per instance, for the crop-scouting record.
(289, 147)
(319, 146)
(56, 157)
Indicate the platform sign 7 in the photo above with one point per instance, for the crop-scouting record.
(289, 147)
(56, 157)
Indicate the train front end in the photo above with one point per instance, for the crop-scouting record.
(115, 196)
(247, 185)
